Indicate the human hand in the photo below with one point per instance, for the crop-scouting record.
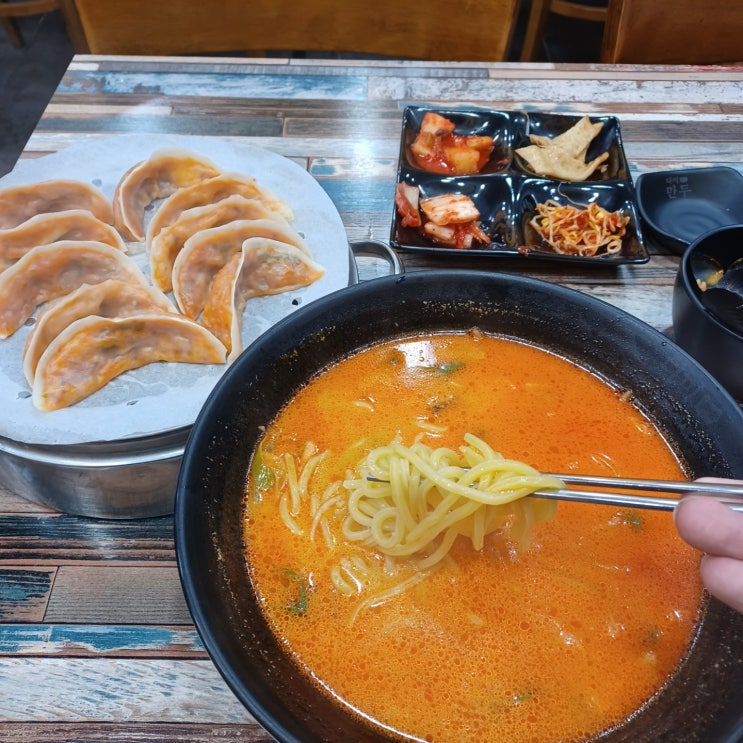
(716, 530)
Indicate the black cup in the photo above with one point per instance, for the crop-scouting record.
(697, 329)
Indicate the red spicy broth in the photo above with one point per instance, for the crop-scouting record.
(557, 642)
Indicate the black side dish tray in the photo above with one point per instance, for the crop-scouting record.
(506, 192)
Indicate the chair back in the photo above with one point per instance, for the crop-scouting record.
(673, 32)
(436, 29)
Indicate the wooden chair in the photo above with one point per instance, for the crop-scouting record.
(539, 12)
(9, 11)
(437, 29)
(673, 32)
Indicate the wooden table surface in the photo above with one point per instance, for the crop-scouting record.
(96, 642)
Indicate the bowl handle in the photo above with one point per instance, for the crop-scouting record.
(372, 259)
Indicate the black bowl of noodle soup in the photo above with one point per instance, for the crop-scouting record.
(699, 701)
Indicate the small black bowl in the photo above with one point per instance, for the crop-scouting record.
(679, 206)
(696, 328)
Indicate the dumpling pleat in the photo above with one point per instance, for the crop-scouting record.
(165, 246)
(211, 191)
(43, 229)
(206, 252)
(262, 267)
(92, 351)
(19, 203)
(111, 298)
(49, 271)
(163, 173)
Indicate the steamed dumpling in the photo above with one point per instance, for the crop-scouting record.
(93, 350)
(209, 192)
(163, 173)
(262, 267)
(206, 252)
(166, 245)
(49, 271)
(110, 298)
(43, 229)
(19, 203)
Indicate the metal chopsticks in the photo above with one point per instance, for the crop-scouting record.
(716, 490)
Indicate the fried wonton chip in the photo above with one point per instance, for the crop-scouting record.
(160, 175)
(210, 191)
(44, 229)
(110, 298)
(19, 203)
(49, 271)
(575, 141)
(262, 267)
(554, 163)
(564, 156)
(207, 251)
(168, 242)
(93, 350)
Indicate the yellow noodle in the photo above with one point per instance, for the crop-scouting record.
(327, 534)
(416, 500)
(412, 502)
(286, 516)
(327, 504)
(430, 427)
(383, 596)
(349, 569)
(309, 449)
(291, 478)
(340, 583)
(307, 471)
(360, 565)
